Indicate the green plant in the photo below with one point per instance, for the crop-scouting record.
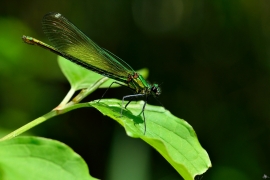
(172, 137)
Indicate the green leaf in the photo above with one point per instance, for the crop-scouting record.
(80, 78)
(26, 158)
(172, 137)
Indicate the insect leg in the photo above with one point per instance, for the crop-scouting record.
(110, 87)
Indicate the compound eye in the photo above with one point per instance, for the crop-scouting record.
(156, 90)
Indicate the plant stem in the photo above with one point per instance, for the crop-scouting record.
(67, 97)
(86, 92)
(42, 119)
(62, 108)
(29, 125)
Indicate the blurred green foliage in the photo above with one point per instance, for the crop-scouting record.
(211, 57)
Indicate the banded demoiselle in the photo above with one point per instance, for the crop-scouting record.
(69, 42)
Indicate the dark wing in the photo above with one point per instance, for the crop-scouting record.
(68, 39)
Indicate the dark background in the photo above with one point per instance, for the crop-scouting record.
(211, 57)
